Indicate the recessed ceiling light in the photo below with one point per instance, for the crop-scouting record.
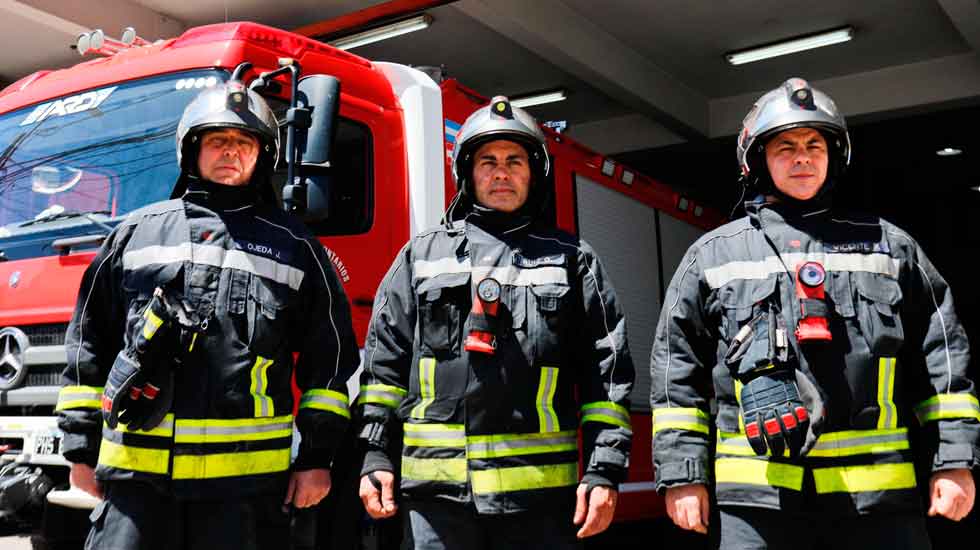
(949, 152)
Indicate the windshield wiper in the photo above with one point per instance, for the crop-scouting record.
(68, 214)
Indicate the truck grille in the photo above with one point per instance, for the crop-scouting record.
(44, 375)
(46, 335)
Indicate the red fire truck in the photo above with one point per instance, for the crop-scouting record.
(82, 147)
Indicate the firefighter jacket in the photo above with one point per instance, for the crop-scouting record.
(897, 360)
(265, 289)
(499, 430)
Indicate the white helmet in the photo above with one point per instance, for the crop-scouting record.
(498, 120)
(795, 104)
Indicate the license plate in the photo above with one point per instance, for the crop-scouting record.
(47, 445)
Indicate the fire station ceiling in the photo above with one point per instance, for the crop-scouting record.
(638, 73)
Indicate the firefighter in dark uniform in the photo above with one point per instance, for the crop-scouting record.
(183, 341)
(494, 338)
(826, 340)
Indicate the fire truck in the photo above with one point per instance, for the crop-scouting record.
(82, 147)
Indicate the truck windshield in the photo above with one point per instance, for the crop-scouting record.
(108, 150)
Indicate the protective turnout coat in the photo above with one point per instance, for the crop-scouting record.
(264, 289)
(500, 430)
(898, 359)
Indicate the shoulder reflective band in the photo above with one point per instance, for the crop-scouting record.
(137, 459)
(679, 418)
(547, 419)
(856, 479)
(225, 430)
(152, 323)
(606, 412)
(259, 385)
(381, 394)
(948, 405)
(325, 400)
(435, 435)
(888, 416)
(230, 464)
(752, 471)
(877, 262)
(79, 397)
(217, 256)
(523, 478)
(434, 469)
(498, 446)
(427, 386)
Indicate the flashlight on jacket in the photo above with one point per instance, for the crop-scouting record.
(813, 326)
(483, 317)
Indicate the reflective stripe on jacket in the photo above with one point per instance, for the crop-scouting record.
(897, 351)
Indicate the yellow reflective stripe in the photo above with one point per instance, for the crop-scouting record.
(435, 435)
(389, 396)
(948, 405)
(193, 340)
(230, 464)
(738, 399)
(434, 469)
(503, 445)
(858, 442)
(758, 472)
(260, 384)
(888, 415)
(326, 400)
(522, 478)
(79, 397)
(223, 430)
(548, 383)
(427, 386)
(164, 429)
(152, 323)
(606, 412)
(855, 479)
(680, 418)
(733, 444)
(137, 459)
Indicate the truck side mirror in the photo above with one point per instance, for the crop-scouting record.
(321, 95)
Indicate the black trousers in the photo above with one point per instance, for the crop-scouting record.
(762, 529)
(441, 525)
(138, 516)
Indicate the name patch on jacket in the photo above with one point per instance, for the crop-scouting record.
(523, 261)
(857, 247)
(264, 250)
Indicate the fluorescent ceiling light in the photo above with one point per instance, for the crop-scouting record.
(538, 99)
(793, 45)
(383, 33)
(949, 152)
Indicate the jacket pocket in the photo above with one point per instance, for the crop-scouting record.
(878, 312)
(547, 318)
(441, 303)
(749, 309)
(265, 312)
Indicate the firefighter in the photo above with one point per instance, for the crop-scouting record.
(828, 340)
(494, 337)
(177, 406)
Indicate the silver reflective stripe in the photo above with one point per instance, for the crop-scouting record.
(214, 256)
(183, 430)
(259, 382)
(547, 419)
(883, 264)
(887, 417)
(425, 269)
(491, 446)
(435, 435)
(508, 275)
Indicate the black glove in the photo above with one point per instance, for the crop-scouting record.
(140, 386)
(782, 408)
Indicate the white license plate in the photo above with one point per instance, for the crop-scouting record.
(47, 445)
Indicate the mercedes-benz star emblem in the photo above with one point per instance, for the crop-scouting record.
(14, 279)
(13, 344)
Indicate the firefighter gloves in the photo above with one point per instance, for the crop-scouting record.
(775, 417)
